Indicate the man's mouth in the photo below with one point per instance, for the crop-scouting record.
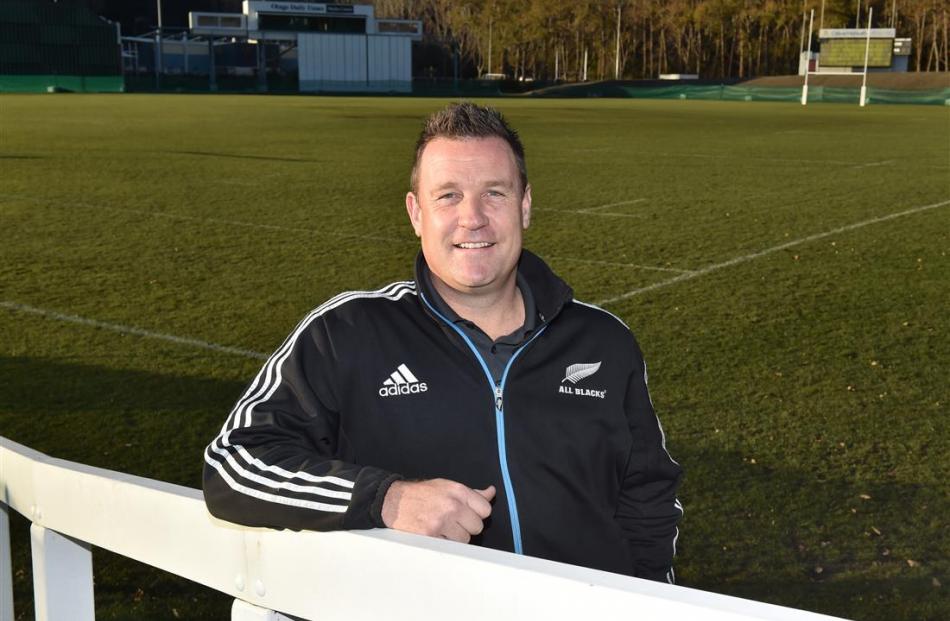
(473, 245)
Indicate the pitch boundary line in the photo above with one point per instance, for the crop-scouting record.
(122, 329)
(277, 227)
(599, 207)
(781, 160)
(173, 216)
(724, 156)
(617, 264)
(873, 164)
(756, 255)
(590, 213)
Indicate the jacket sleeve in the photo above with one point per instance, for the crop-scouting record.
(648, 510)
(274, 462)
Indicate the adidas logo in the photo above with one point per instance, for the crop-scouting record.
(402, 382)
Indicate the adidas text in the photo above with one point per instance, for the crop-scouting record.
(402, 389)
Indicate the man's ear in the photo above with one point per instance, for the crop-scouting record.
(526, 207)
(414, 209)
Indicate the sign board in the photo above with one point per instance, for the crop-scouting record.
(850, 52)
(400, 27)
(217, 24)
(252, 7)
(856, 33)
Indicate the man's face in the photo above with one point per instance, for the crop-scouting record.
(470, 211)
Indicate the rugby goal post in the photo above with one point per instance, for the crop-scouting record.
(846, 56)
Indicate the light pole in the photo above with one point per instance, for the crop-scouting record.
(489, 42)
(617, 54)
(159, 49)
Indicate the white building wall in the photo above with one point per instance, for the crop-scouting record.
(390, 66)
(331, 62)
(338, 62)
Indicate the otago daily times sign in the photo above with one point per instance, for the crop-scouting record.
(296, 7)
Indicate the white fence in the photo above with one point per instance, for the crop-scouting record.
(380, 574)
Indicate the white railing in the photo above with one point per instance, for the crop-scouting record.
(377, 574)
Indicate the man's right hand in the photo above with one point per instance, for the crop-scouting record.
(437, 508)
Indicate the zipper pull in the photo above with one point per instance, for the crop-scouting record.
(498, 400)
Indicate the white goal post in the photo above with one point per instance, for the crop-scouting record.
(862, 100)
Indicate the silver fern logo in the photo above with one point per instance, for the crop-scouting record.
(577, 372)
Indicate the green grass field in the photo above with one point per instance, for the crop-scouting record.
(797, 334)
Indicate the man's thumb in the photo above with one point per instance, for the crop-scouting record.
(488, 493)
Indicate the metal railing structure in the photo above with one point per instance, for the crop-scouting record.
(379, 574)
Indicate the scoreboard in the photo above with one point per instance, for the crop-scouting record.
(850, 52)
(845, 47)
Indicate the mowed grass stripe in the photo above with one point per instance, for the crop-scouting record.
(684, 276)
(795, 445)
(105, 325)
(203, 220)
(762, 253)
(280, 229)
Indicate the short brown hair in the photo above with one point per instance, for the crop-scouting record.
(468, 120)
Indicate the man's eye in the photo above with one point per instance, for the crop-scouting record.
(448, 196)
(495, 193)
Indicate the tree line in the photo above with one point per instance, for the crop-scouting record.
(575, 40)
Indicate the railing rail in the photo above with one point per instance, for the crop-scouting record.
(378, 574)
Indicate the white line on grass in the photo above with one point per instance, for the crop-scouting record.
(756, 255)
(784, 160)
(277, 227)
(173, 216)
(616, 264)
(726, 156)
(599, 207)
(590, 213)
(121, 329)
(269, 227)
(870, 164)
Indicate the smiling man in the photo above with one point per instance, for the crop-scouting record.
(479, 402)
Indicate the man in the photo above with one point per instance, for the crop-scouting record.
(480, 403)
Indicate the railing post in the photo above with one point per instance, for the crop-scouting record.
(62, 577)
(242, 611)
(6, 565)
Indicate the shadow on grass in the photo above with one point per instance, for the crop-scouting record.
(134, 421)
(786, 535)
(775, 532)
(37, 385)
(269, 158)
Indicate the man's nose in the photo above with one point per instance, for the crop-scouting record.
(472, 214)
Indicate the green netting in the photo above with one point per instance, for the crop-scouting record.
(61, 83)
(935, 97)
(760, 93)
(672, 92)
(201, 84)
(834, 94)
(816, 94)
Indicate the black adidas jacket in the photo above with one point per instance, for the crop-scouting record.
(374, 386)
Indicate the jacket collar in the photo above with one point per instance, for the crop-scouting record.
(550, 293)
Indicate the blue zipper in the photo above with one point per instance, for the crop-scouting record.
(498, 391)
